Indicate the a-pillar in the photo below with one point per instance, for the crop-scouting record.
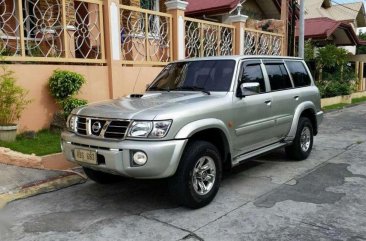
(112, 44)
(177, 8)
(238, 21)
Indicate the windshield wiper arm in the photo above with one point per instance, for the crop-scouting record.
(159, 89)
(194, 88)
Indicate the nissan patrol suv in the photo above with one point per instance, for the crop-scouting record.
(198, 117)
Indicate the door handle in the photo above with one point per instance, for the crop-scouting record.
(268, 102)
(296, 97)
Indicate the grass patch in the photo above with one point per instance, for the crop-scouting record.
(358, 100)
(45, 142)
(335, 107)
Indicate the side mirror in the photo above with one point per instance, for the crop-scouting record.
(250, 88)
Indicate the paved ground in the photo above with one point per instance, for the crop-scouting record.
(272, 198)
(24, 176)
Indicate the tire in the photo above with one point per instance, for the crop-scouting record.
(186, 185)
(101, 177)
(303, 143)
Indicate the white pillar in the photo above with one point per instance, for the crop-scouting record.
(238, 21)
(177, 9)
(115, 31)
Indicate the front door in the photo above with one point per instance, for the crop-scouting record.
(253, 120)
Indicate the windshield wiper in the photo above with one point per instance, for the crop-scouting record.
(159, 89)
(194, 88)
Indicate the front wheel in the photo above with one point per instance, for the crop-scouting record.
(198, 177)
(303, 143)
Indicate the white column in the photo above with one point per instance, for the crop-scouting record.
(239, 23)
(115, 32)
(177, 8)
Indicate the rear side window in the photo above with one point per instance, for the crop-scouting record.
(278, 76)
(299, 74)
(252, 72)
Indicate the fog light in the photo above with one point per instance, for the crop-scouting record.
(139, 158)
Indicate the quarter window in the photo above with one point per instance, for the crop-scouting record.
(252, 72)
(299, 74)
(278, 76)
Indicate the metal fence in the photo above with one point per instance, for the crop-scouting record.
(52, 30)
(204, 38)
(73, 31)
(146, 36)
(258, 42)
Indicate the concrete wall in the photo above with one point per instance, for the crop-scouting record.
(133, 79)
(34, 77)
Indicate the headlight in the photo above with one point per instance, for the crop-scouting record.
(140, 129)
(153, 129)
(71, 123)
(160, 128)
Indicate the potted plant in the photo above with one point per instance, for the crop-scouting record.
(13, 100)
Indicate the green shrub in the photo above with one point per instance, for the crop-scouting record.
(309, 50)
(334, 88)
(71, 103)
(331, 56)
(64, 84)
(13, 98)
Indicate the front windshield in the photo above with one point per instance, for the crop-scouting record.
(207, 75)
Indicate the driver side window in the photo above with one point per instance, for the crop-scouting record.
(252, 73)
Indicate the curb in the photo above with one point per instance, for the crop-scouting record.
(344, 107)
(41, 187)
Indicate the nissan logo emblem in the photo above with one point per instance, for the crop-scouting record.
(96, 127)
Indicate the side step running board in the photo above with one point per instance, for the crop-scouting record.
(237, 160)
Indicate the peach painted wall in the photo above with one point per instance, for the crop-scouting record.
(133, 79)
(34, 77)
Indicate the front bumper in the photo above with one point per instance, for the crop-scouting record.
(163, 156)
(319, 117)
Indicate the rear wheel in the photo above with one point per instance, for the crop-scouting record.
(198, 177)
(101, 177)
(303, 143)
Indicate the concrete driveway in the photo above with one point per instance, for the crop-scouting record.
(270, 198)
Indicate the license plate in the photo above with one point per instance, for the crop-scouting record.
(85, 156)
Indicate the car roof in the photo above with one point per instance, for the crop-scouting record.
(239, 57)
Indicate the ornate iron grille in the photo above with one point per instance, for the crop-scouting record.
(51, 28)
(208, 39)
(145, 35)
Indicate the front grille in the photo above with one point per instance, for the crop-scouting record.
(102, 128)
(116, 129)
(81, 125)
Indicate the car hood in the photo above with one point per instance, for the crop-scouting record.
(145, 107)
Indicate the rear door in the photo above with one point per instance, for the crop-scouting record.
(252, 114)
(284, 97)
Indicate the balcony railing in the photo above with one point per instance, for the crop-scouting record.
(204, 38)
(52, 30)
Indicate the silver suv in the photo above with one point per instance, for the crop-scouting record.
(198, 117)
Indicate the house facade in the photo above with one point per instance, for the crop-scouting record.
(327, 22)
(121, 45)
